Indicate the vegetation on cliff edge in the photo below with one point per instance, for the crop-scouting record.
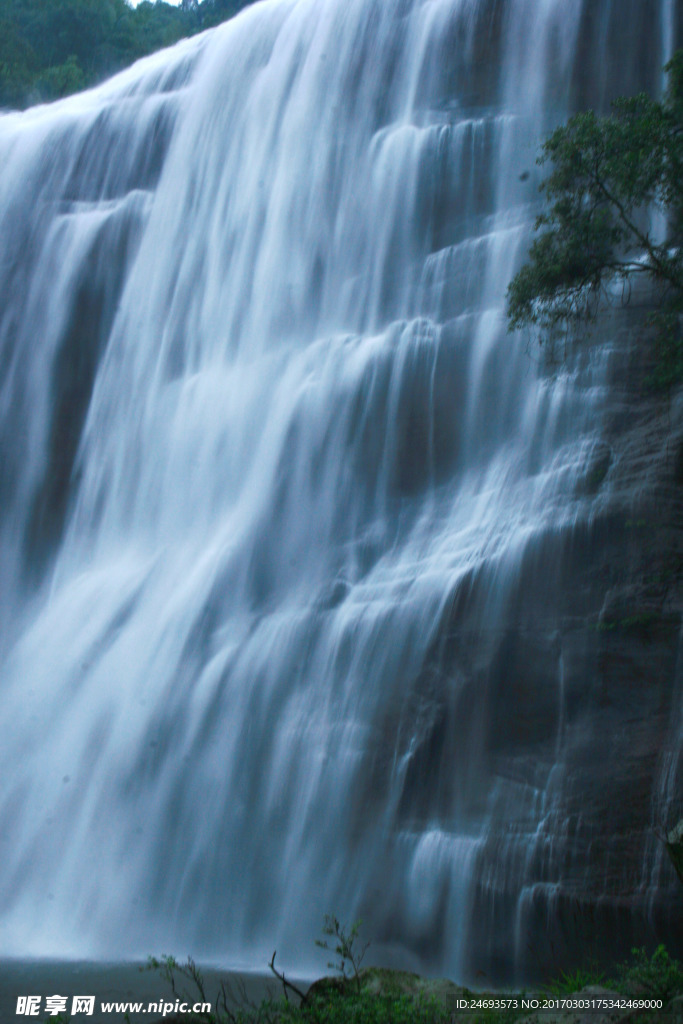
(613, 214)
(51, 48)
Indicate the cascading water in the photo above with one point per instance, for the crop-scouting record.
(273, 480)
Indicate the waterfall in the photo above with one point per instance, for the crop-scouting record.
(274, 477)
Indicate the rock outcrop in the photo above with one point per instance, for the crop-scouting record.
(571, 703)
(674, 847)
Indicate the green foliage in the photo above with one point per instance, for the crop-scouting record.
(346, 946)
(334, 1006)
(351, 1008)
(51, 48)
(62, 80)
(574, 981)
(608, 176)
(645, 977)
(18, 64)
(654, 977)
(178, 976)
(367, 1008)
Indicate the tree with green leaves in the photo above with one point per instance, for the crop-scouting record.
(613, 214)
(51, 48)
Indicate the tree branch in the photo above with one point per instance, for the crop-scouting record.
(286, 984)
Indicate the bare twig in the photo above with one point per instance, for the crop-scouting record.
(286, 984)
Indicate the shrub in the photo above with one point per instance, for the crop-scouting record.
(608, 177)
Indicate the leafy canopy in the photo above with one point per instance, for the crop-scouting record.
(614, 213)
(51, 48)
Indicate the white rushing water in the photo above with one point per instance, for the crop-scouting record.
(262, 429)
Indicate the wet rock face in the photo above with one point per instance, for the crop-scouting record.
(580, 746)
(549, 708)
(674, 847)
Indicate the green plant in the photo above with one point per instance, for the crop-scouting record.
(574, 981)
(346, 947)
(655, 977)
(179, 975)
(354, 1007)
(608, 176)
(331, 1006)
(648, 977)
(52, 49)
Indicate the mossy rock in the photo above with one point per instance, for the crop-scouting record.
(383, 981)
(674, 846)
(323, 988)
(675, 1010)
